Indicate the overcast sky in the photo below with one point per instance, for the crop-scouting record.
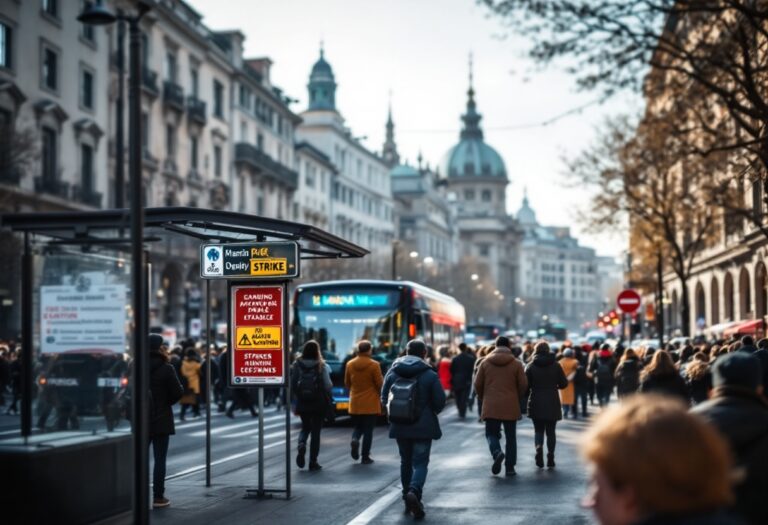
(418, 50)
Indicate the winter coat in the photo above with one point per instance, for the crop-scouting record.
(604, 380)
(670, 385)
(500, 384)
(545, 378)
(444, 372)
(462, 367)
(698, 378)
(190, 369)
(204, 372)
(430, 399)
(364, 380)
(762, 355)
(627, 377)
(568, 394)
(166, 391)
(320, 404)
(742, 418)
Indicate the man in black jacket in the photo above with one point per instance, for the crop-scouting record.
(166, 391)
(739, 411)
(414, 440)
(462, 368)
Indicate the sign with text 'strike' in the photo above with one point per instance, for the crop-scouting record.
(253, 260)
(257, 334)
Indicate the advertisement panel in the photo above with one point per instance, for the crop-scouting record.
(257, 335)
(83, 318)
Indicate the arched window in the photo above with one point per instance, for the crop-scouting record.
(730, 314)
(745, 295)
(714, 299)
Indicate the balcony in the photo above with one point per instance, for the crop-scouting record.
(51, 186)
(262, 164)
(149, 82)
(196, 110)
(86, 196)
(173, 96)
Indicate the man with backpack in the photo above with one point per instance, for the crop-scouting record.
(603, 369)
(413, 396)
(363, 379)
(500, 384)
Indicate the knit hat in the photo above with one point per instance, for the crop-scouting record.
(568, 352)
(738, 369)
(155, 342)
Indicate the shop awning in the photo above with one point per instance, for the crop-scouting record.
(754, 327)
(720, 328)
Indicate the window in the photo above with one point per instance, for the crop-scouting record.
(170, 140)
(193, 152)
(170, 67)
(86, 89)
(309, 177)
(217, 161)
(194, 82)
(51, 7)
(260, 141)
(245, 97)
(243, 131)
(86, 168)
(88, 32)
(6, 35)
(50, 69)
(486, 196)
(218, 99)
(484, 250)
(49, 154)
(469, 195)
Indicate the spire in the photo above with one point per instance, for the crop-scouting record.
(525, 196)
(322, 85)
(389, 150)
(471, 118)
(322, 48)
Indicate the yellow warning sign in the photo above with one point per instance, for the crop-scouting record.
(259, 337)
(269, 267)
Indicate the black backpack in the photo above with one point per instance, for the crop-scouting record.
(603, 375)
(308, 386)
(403, 402)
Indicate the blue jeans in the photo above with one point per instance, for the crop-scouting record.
(493, 436)
(364, 428)
(414, 458)
(160, 452)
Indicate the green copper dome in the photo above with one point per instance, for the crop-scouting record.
(322, 85)
(472, 157)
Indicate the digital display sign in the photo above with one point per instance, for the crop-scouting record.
(351, 300)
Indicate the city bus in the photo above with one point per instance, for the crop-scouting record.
(485, 333)
(338, 314)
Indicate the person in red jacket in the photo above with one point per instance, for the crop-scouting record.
(444, 369)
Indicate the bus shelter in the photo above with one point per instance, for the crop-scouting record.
(76, 357)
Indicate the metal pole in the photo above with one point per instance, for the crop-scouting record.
(287, 375)
(660, 300)
(119, 133)
(138, 281)
(27, 349)
(208, 384)
(394, 260)
(261, 441)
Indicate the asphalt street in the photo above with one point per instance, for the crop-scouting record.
(460, 487)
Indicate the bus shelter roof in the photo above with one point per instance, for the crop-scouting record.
(111, 226)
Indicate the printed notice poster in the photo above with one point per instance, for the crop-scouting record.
(257, 335)
(83, 318)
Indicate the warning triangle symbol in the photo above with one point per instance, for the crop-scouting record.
(244, 341)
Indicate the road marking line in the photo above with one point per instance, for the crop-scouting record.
(253, 432)
(16, 431)
(200, 468)
(376, 508)
(219, 430)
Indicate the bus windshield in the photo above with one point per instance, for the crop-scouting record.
(338, 319)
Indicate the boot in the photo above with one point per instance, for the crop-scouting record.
(551, 460)
(539, 457)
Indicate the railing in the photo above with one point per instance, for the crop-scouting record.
(149, 81)
(264, 164)
(173, 95)
(52, 186)
(86, 196)
(196, 110)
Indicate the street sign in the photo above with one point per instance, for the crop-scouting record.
(628, 301)
(253, 260)
(257, 335)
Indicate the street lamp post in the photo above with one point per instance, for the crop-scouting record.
(97, 14)
(395, 244)
(119, 122)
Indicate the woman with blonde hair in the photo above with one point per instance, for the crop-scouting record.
(661, 377)
(677, 473)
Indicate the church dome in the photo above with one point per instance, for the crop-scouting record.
(322, 85)
(525, 215)
(472, 157)
(404, 170)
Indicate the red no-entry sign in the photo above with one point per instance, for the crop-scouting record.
(628, 301)
(257, 335)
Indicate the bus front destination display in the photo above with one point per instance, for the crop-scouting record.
(257, 335)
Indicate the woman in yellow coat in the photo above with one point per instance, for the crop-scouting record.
(568, 394)
(190, 370)
(363, 378)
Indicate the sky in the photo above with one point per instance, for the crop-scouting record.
(418, 50)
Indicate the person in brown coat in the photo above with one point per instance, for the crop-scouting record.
(500, 384)
(364, 380)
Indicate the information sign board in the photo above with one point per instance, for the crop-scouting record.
(257, 335)
(255, 260)
(83, 318)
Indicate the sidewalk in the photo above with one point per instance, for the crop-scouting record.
(460, 487)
